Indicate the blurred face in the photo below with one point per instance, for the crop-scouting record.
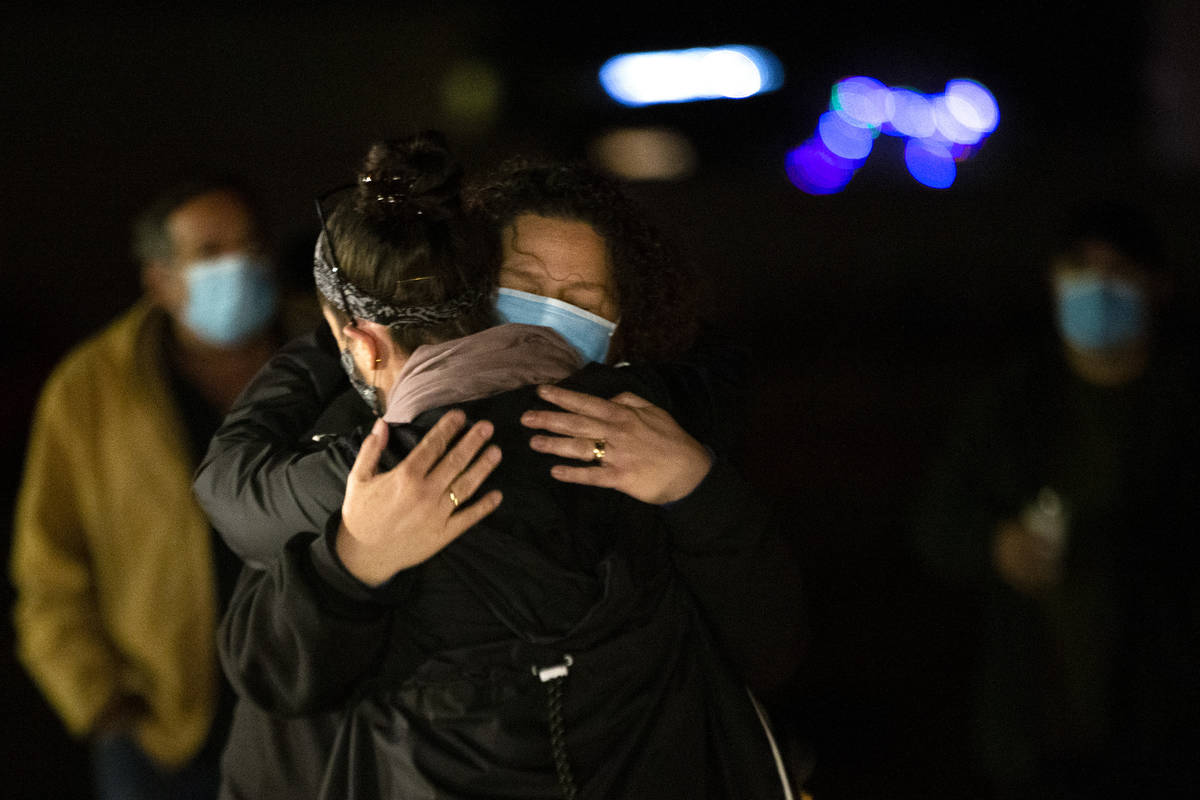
(562, 259)
(216, 283)
(207, 226)
(1101, 260)
(211, 225)
(1103, 298)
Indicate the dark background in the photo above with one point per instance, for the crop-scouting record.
(867, 311)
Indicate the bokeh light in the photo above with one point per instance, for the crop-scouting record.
(645, 154)
(962, 152)
(930, 163)
(699, 73)
(972, 105)
(812, 168)
(728, 73)
(471, 93)
(913, 114)
(940, 131)
(844, 139)
(861, 101)
(949, 124)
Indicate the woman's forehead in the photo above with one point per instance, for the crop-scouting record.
(558, 248)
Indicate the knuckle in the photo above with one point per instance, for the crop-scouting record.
(461, 454)
(476, 475)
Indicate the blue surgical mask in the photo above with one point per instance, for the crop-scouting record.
(587, 332)
(369, 393)
(229, 298)
(1099, 314)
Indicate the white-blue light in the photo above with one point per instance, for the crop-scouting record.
(861, 101)
(972, 105)
(939, 131)
(844, 139)
(682, 76)
(913, 115)
(948, 118)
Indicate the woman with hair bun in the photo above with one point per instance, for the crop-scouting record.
(470, 627)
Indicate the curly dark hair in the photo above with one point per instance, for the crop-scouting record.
(656, 290)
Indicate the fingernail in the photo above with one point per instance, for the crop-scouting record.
(485, 429)
(537, 442)
(527, 418)
(377, 428)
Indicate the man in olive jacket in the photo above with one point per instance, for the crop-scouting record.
(113, 560)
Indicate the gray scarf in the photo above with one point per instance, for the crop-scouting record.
(483, 364)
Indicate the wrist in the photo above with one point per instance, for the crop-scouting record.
(357, 557)
(697, 467)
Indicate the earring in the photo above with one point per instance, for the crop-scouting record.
(378, 361)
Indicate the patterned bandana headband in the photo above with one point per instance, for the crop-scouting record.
(334, 286)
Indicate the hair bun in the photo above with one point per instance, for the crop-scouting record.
(410, 180)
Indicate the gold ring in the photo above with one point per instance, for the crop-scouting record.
(598, 447)
(453, 497)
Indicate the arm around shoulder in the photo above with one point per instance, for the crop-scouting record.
(261, 481)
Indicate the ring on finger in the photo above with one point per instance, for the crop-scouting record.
(453, 497)
(598, 451)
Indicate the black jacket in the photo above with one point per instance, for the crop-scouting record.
(615, 578)
(1101, 671)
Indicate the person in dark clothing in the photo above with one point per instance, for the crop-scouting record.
(1068, 497)
(468, 614)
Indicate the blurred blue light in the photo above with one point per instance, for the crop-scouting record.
(949, 124)
(769, 68)
(940, 131)
(861, 101)
(972, 105)
(913, 115)
(930, 163)
(812, 168)
(681, 76)
(962, 152)
(844, 139)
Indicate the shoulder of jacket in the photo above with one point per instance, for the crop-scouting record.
(605, 380)
(104, 358)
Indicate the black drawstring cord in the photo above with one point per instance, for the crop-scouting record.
(553, 678)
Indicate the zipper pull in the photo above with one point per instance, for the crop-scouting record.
(546, 674)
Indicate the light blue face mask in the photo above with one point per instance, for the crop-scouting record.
(586, 332)
(1099, 314)
(369, 393)
(229, 298)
